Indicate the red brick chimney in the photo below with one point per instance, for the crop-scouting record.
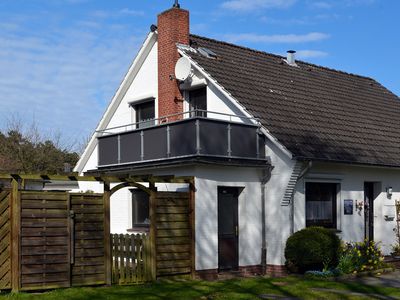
(173, 28)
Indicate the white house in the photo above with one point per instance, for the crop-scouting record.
(274, 145)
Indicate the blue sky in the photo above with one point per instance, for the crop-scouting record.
(62, 60)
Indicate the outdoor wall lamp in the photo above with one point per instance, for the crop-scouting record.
(389, 191)
(359, 205)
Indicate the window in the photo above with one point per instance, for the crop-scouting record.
(321, 201)
(145, 114)
(198, 101)
(140, 208)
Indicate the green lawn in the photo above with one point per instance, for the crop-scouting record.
(229, 289)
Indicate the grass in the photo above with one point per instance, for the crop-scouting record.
(230, 289)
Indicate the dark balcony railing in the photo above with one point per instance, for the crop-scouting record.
(196, 136)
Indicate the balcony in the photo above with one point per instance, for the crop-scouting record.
(225, 138)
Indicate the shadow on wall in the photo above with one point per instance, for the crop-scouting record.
(206, 243)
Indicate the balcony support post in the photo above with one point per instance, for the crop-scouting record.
(258, 143)
(119, 149)
(229, 128)
(198, 137)
(142, 145)
(168, 141)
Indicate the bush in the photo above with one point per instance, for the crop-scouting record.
(361, 257)
(313, 248)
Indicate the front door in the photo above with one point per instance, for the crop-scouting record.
(369, 210)
(228, 254)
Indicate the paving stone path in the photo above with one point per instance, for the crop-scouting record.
(386, 280)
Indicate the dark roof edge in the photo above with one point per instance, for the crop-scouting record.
(346, 162)
(281, 57)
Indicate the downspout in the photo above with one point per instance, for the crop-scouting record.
(302, 174)
(266, 175)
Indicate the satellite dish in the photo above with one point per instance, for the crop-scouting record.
(183, 69)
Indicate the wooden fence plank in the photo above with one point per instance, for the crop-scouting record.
(15, 236)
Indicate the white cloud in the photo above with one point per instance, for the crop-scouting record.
(64, 77)
(359, 2)
(131, 12)
(252, 5)
(311, 54)
(283, 38)
(321, 4)
(328, 4)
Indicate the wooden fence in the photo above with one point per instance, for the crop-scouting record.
(51, 240)
(173, 233)
(58, 239)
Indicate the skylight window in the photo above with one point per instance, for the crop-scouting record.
(207, 52)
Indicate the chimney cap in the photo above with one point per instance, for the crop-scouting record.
(291, 58)
(153, 28)
(176, 4)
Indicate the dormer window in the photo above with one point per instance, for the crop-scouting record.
(144, 114)
(198, 102)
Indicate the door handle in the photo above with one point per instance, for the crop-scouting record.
(237, 230)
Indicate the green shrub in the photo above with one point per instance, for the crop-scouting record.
(313, 248)
(361, 257)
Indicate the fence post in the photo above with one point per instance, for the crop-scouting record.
(107, 237)
(153, 224)
(15, 236)
(192, 209)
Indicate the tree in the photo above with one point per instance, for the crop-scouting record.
(29, 152)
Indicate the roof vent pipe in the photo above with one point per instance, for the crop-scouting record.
(291, 57)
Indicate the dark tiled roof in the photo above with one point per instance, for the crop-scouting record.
(315, 112)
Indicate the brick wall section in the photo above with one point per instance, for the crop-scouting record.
(276, 271)
(173, 27)
(244, 271)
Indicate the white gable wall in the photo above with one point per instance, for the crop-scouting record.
(144, 84)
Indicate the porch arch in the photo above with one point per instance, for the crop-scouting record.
(130, 184)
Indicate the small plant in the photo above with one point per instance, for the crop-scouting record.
(395, 250)
(361, 257)
(319, 274)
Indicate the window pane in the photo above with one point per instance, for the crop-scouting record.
(321, 204)
(140, 208)
(145, 112)
(198, 101)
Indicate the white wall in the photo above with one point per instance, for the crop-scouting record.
(207, 182)
(278, 217)
(351, 180)
(144, 84)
